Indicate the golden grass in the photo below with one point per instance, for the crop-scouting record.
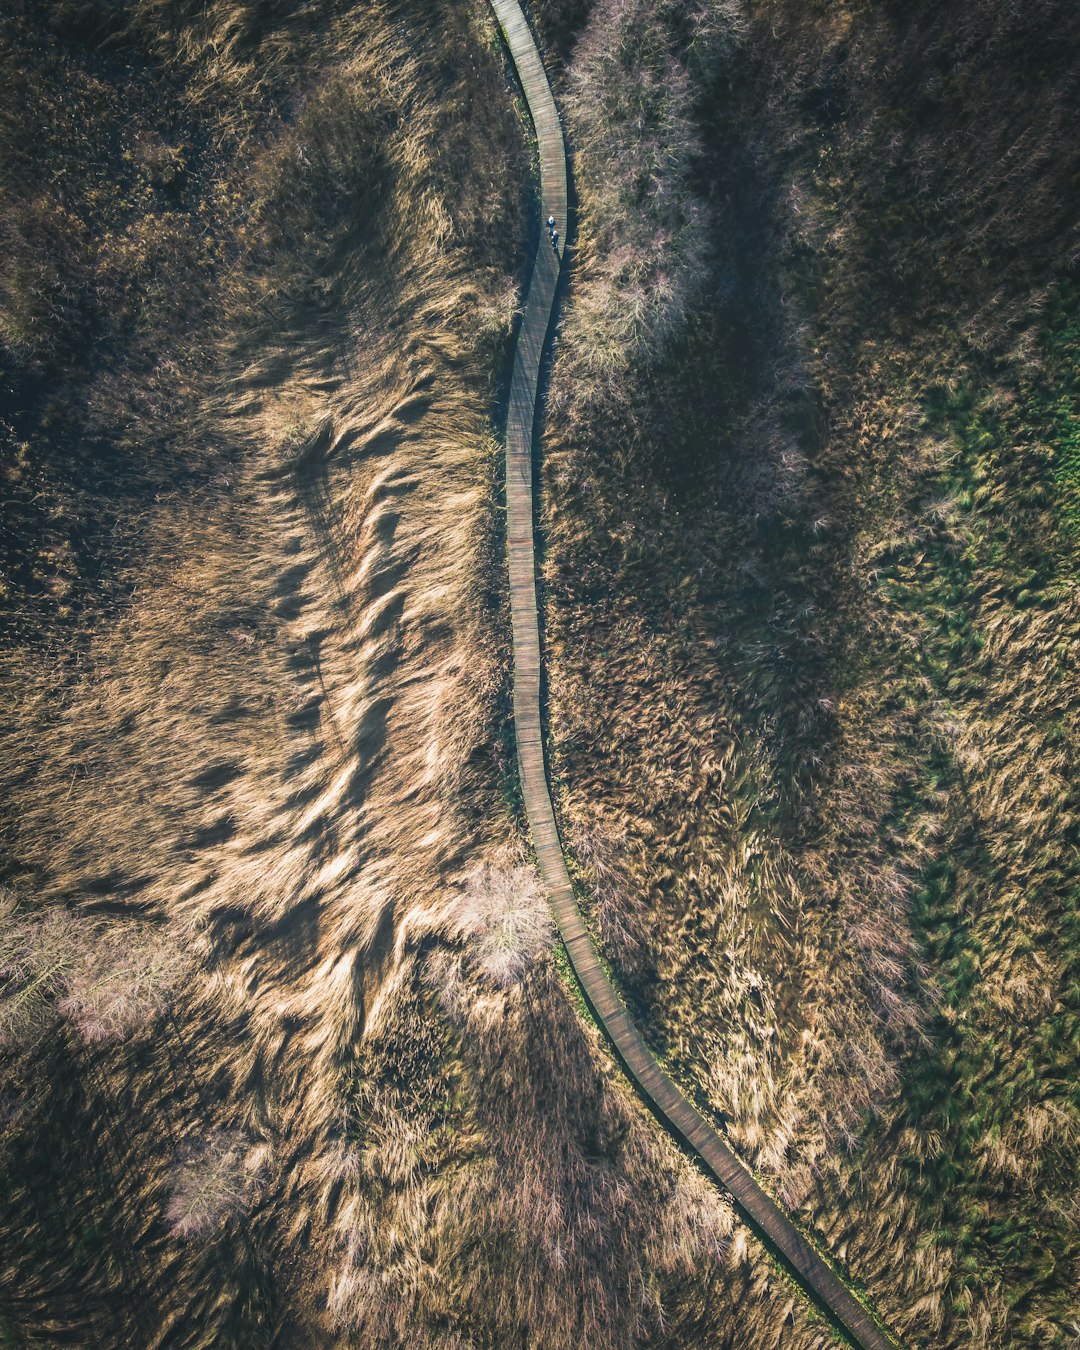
(281, 744)
(257, 662)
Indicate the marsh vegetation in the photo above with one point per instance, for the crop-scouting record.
(812, 601)
(288, 1055)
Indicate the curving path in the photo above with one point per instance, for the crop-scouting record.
(666, 1101)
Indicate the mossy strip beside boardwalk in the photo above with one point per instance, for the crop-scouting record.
(684, 1122)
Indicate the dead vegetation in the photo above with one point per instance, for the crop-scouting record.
(811, 598)
(541, 1191)
(215, 1180)
(270, 721)
(507, 918)
(630, 103)
(812, 609)
(104, 979)
(255, 661)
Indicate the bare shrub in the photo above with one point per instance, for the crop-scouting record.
(505, 913)
(105, 978)
(37, 954)
(216, 1178)
(124, 979)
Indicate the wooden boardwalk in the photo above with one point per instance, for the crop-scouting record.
(666, 1101)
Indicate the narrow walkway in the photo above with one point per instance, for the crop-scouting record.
(672, 1108)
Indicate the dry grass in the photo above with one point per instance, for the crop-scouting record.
(255, 652)
(104, 979)
(503, 1188)
(256, 660)
(811, 581)
(276, 727)
(630, 104)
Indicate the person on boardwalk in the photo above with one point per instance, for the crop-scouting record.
(551, 224)
(555, 241)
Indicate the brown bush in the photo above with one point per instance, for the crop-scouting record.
(506, 917)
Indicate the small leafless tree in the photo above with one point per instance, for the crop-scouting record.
(123, 979)
(105, 978)
(36, 956)
(216, 1178)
